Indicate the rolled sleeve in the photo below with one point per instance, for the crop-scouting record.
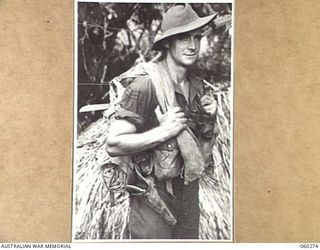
(138, 102)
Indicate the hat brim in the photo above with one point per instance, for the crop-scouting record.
(202, 21)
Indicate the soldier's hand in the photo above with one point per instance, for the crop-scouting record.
(209, 104)
(172, 122)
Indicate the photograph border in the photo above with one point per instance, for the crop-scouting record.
(75, 119)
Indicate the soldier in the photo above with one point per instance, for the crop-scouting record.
(164, 146)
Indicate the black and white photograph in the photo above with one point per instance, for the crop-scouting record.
(153, 121)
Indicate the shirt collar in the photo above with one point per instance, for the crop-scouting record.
(194, 82)
(196, 86)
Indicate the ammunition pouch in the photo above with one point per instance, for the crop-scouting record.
(166, 160)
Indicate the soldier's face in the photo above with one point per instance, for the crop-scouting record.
(184, 48)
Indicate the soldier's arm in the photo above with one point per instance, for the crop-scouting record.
(123, 138)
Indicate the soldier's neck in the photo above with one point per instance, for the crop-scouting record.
(178, 73)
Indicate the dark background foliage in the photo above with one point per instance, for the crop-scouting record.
(114, 36)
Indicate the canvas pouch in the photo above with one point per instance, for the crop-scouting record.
(166, 160)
